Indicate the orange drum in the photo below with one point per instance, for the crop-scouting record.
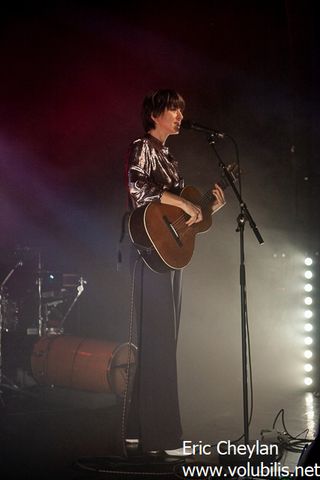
(82, 363)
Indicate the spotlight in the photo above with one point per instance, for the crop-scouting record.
(308, 327)
(308, 287)
(308, 367)
(308, 354)
(308, 274)
(308, 341)
(308, 300)
(308, 381)
(308, 261)
(308, 314)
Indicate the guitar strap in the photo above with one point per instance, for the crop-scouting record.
(124, 220)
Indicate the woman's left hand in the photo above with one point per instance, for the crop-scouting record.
(219, 198)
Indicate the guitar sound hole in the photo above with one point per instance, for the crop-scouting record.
(173, 231)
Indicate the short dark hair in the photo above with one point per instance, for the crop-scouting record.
(156, 102)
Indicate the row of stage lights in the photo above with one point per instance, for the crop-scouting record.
(308, 326)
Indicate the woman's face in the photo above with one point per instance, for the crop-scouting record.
(169, 121)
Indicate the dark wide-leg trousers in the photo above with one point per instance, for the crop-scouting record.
(154, 415)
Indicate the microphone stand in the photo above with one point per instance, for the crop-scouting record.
(243, 216)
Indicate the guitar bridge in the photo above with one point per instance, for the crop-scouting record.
(173, 231)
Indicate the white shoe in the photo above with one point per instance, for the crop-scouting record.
(178, 452)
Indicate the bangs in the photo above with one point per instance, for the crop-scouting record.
(176, 102)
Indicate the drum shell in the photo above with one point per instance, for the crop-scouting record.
(82, 363)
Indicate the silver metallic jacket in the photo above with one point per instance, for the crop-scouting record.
(151, 171)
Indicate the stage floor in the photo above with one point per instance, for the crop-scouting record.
(45, 432)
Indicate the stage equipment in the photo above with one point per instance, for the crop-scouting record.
(57, 305)
(41, 328)
(82, 363)
(190, 125)
(243, 217)
(310, 456)
(4, 320)
(10, 313)
(53, 288)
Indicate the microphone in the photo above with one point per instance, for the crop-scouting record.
(189, 125)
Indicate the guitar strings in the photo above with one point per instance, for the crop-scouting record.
(180, 223)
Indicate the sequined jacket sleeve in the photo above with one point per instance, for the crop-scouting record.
(151, 171)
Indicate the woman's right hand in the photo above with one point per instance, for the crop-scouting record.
(194, 211)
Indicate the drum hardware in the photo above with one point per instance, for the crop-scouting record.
(50, 304)
(53, 303)
(10, 314)
(9, 384)
(68, 280)
(32, 331)
(32, 254)
(54, 318)
(80, 288)
(41, 329)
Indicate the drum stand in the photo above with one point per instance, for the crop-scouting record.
(60, 327)
(9, 385)
(41, 329)
(80, 289)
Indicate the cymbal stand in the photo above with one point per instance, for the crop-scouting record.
(39, 285)
(80, 289)
(2, 285)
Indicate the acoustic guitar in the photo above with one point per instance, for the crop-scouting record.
(160, 233)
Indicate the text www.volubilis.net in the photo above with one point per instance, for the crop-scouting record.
(254, 471)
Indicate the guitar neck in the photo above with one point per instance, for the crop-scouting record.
(208, 198)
